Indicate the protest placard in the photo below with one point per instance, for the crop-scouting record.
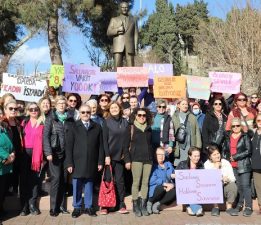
(158, 70)
(132, 77)
(169, 87)
(225, 82)
(23, 88)
(198, 87)
(199, 186)
(56, 75)
(81, 79)
(108, 81)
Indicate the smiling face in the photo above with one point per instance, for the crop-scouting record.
(241, 101)
(161, 108)
(194, 157)
(141, 116)
(133, 102)
(33, 111)
(215, 156)
(45, 106)
(183, 106)
(236, 127)
(114, 109)
(61, 106)
(85, 113)
(217, 106)
(72, 102)
(160, 153)
(11, 110)
(104, 101)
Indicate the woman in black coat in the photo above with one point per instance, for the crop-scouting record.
(214, 125)
(56, 127)
(237, 150)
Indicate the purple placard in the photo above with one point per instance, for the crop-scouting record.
(81, 79)
(159, 70)
(200, 186)
(108, 81)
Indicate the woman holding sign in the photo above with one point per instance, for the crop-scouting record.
(237, 150)
(230, 189)
(193, 162)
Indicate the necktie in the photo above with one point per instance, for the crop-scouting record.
(86, 126)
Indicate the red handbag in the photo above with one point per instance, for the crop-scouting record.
(107, 196)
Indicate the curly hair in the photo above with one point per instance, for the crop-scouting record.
(149, 116)
(108, 114)
(223, 102)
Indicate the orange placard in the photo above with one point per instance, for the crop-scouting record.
(169, 87)
(132, 77)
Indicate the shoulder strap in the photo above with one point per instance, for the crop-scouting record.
(244, 120)
(186, 120)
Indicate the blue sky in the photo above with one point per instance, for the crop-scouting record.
(36, 51)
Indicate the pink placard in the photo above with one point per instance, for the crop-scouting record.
(132, 77)
(225, 82)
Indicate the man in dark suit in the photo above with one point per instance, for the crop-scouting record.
(124, 31)
(84, 157)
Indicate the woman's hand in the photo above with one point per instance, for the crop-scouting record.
(70, 169)
(128, 166)
(173, 176)
(49, 158)
(107, 161)
(168, 186)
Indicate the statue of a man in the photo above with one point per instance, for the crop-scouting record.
(124, 31)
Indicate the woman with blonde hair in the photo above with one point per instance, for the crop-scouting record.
(184, 120)
(33, 154)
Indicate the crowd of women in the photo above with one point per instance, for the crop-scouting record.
(150, 141)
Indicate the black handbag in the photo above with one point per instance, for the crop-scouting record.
(181, 134)
(55, 142)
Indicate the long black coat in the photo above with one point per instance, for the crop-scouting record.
(53, 125)
(84, 149)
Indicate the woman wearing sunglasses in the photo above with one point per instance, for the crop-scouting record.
(33, 154)
(114, 134)
(163, 130)
(237, 150)
(72, 106)
(55, 131)
(214, 125)
(256, 159)
(140, 146)
(242, 111)
(103, 102)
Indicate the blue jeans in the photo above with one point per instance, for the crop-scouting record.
(195, 207)
(78, 185)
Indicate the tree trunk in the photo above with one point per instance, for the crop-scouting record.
(4, 65)
(53, 41)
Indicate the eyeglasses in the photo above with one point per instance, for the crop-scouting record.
(241, 99)
(233, 126)
(141, 115)
(85, 112)
(104, 100)
(254, 97)
(71, 100)
(162, 107)
(218, 103)
(125, 97)
(33, 110)
(12, 109)
(133, 91)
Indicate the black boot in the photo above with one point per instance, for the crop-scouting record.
(143, 207)
(136, 208)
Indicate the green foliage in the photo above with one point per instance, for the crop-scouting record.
(161, 33)
(188, 19)
(9, 30)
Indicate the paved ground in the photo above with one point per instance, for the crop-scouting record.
(165, 218)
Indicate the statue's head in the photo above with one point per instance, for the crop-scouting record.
(124, 8)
